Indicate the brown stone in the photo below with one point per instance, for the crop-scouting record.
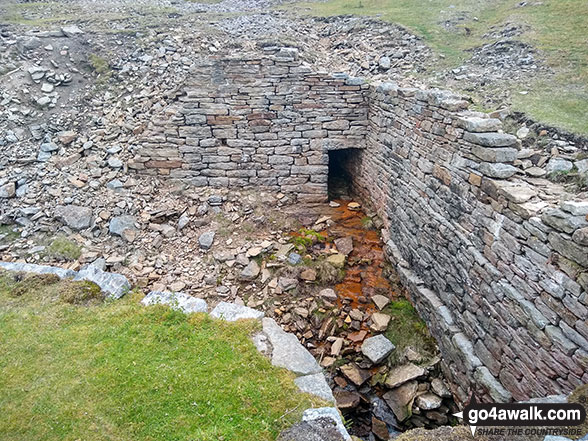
(400, 399)
(380, 321)
(404, 373)
(380, 429)
(442, 174)
(308, 275)
(346, 400)
(475, 179)
(356, 375)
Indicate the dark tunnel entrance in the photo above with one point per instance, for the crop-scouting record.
(343, 164)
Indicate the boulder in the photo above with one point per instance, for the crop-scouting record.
(232, 312)
(344, 245)
(176, 300)
(74, 216)
(288, 352)
(558, 165)
(315, 384)
(119, 224)
(113, 284)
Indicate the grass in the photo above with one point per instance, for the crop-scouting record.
(74, 367)
(557, 28)
(8, 234)
(62, 248)
(407, 329)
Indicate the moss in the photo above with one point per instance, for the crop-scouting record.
(23, 283)
(8, 234)
(407, 329)
(80, 293)
(64, 249)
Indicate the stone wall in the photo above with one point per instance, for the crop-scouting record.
(494, 256)
(496, 264)
(264, 122)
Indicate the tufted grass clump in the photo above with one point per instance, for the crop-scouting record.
(73, 368)
(62, 248)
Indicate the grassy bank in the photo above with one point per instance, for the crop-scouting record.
(557, 28)
(74, 367)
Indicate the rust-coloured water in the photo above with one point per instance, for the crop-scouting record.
(364, 275)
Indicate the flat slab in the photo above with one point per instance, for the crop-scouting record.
(231, 312)
(176, 300)
(37, 269)
(113, 284)
(288, 352)
(315, 384)
(377, 348)
(329, 413)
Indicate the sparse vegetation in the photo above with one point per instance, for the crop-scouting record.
(407, 329)
(453, 28)
(62, 248)
(74, 368)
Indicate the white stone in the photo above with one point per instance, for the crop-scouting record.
(315, 384)
(377, 348)
(231, 312)
(176, 300)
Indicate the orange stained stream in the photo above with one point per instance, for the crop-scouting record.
(364, 269)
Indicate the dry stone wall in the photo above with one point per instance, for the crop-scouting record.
(264, 122)
(496, 265)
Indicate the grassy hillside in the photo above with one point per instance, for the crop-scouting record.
(558, 28)
(74, 368)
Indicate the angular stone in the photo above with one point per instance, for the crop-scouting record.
(400, 399)
(232, 312)
(8, 190)
(439, 388)
(518, 194)
(380, 301)
(497, 170)
(205, 240)
(356, 375)
(250, 272)
(326, 413)
(562, 221)
(74, 216)
(557, 165)
(490, 139)
(377, 348)
(337, 260)
(37, 269)
(480, 125)
(494, 154)
(428, 401)
(176, 300)
(288, 352)
(577, 208)
(328, 294)
(535, 172)
(119, 224)
(580, 236)
(113, 284)
(498, 393)
(404, 373)
(286, 284)
(379, 321)
(315, 384)
(347, 400)
(344, 245)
